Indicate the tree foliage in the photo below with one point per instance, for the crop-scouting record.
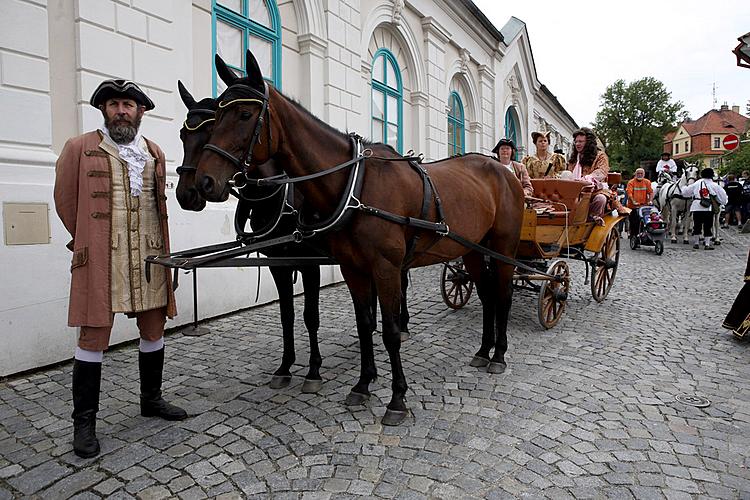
(738, 160)
(633, 119)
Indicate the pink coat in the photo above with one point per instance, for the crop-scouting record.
(82, 187)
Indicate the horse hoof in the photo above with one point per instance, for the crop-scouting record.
(393, 417)
(673, 241)
(479, 361)
(405, 336)
(717, 242)
(496, 368)
(355, 399)
(311, 386)
(684, 242)
(280, 381)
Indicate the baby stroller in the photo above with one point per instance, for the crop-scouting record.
(652, 231)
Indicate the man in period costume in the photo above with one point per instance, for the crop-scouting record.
(504, 150)
(543, 163)
(109, 194)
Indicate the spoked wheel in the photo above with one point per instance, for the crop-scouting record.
(604, 266)
(456, 284)
(658, 247)
(554, 294)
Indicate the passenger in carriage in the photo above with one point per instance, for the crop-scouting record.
(588, 163)
(543, 163)
(504, 150)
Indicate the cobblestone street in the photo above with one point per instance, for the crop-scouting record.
(586, 409)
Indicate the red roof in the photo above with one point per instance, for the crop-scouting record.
(669, 136)
(723, 121)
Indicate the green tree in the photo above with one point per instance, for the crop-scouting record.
(633, 119)
(737, 161)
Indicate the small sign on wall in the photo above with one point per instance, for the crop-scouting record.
(26, 223)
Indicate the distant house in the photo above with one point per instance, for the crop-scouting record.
(705, 135)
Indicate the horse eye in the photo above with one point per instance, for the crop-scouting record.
(245, 115)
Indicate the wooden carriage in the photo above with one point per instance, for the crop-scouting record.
(557, 228)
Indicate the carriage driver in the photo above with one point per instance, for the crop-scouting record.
(504, 150)
(109, 194)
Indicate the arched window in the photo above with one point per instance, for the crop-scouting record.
(456, 137)
(239, 25)
(511, 127)
(387, 100)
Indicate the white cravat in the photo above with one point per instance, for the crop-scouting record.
(135, 157)
(509, 166)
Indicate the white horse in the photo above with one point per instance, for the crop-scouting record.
(672, 205)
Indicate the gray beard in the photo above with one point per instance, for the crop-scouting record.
(122, 134)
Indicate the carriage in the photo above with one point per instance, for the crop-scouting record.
(548, 236)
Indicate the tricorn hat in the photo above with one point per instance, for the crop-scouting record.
(536, 135)
(123, 89)
(503, 142)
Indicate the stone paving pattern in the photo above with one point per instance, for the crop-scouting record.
(585, 410)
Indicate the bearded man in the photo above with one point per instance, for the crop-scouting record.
(109, 194)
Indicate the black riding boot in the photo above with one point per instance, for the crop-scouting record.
(86, 382)
(151, 365)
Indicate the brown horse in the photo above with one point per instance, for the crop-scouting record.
(482, 203)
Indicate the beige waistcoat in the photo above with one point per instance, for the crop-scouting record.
(136, 234)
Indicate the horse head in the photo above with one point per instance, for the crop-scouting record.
(194, 134)
(242, 136)
(690, 172)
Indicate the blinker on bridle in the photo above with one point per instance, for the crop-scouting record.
(244, 162)
(183, 169)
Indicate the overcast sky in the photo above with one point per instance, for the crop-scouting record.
(582, 47)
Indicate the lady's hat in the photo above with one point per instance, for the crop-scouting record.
(503, 142)
(538, 134)
(120, 89)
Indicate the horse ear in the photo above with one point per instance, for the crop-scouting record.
(187, 98)
(253, 69)
(227, 75)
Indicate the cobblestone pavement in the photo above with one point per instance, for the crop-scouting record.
(586, 409)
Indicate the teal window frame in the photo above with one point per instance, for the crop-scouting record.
(457, 120)
(385, 90)
(249, 27)
(510, 129)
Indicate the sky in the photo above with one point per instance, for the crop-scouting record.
(582, 47)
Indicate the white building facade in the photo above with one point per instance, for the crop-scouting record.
(432, 76)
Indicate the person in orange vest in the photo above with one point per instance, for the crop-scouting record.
(640, 193)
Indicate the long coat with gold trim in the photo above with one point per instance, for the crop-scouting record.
(82, 198)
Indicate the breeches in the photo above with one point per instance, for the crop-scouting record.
(150, 325)
(704, 220)
(597, 205)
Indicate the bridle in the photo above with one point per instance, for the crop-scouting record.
(184, 169)
(244, 161)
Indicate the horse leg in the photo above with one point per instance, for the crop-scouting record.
(481, 276)
(360, 289)
(403, 320)
(687, 223)
(282, 277)
(311, 282)
(504, 285)
(388, 283)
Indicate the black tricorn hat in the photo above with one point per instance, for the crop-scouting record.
(122, 89)
(503, 142)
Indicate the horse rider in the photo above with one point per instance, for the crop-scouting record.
(639, 194)
(703, 191)
(504, 149)
(109, 194)
(543, 163)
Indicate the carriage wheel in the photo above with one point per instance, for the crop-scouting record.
(604, 266)
(554, 294)
(456, 284)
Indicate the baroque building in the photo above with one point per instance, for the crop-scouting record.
(432, 76)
